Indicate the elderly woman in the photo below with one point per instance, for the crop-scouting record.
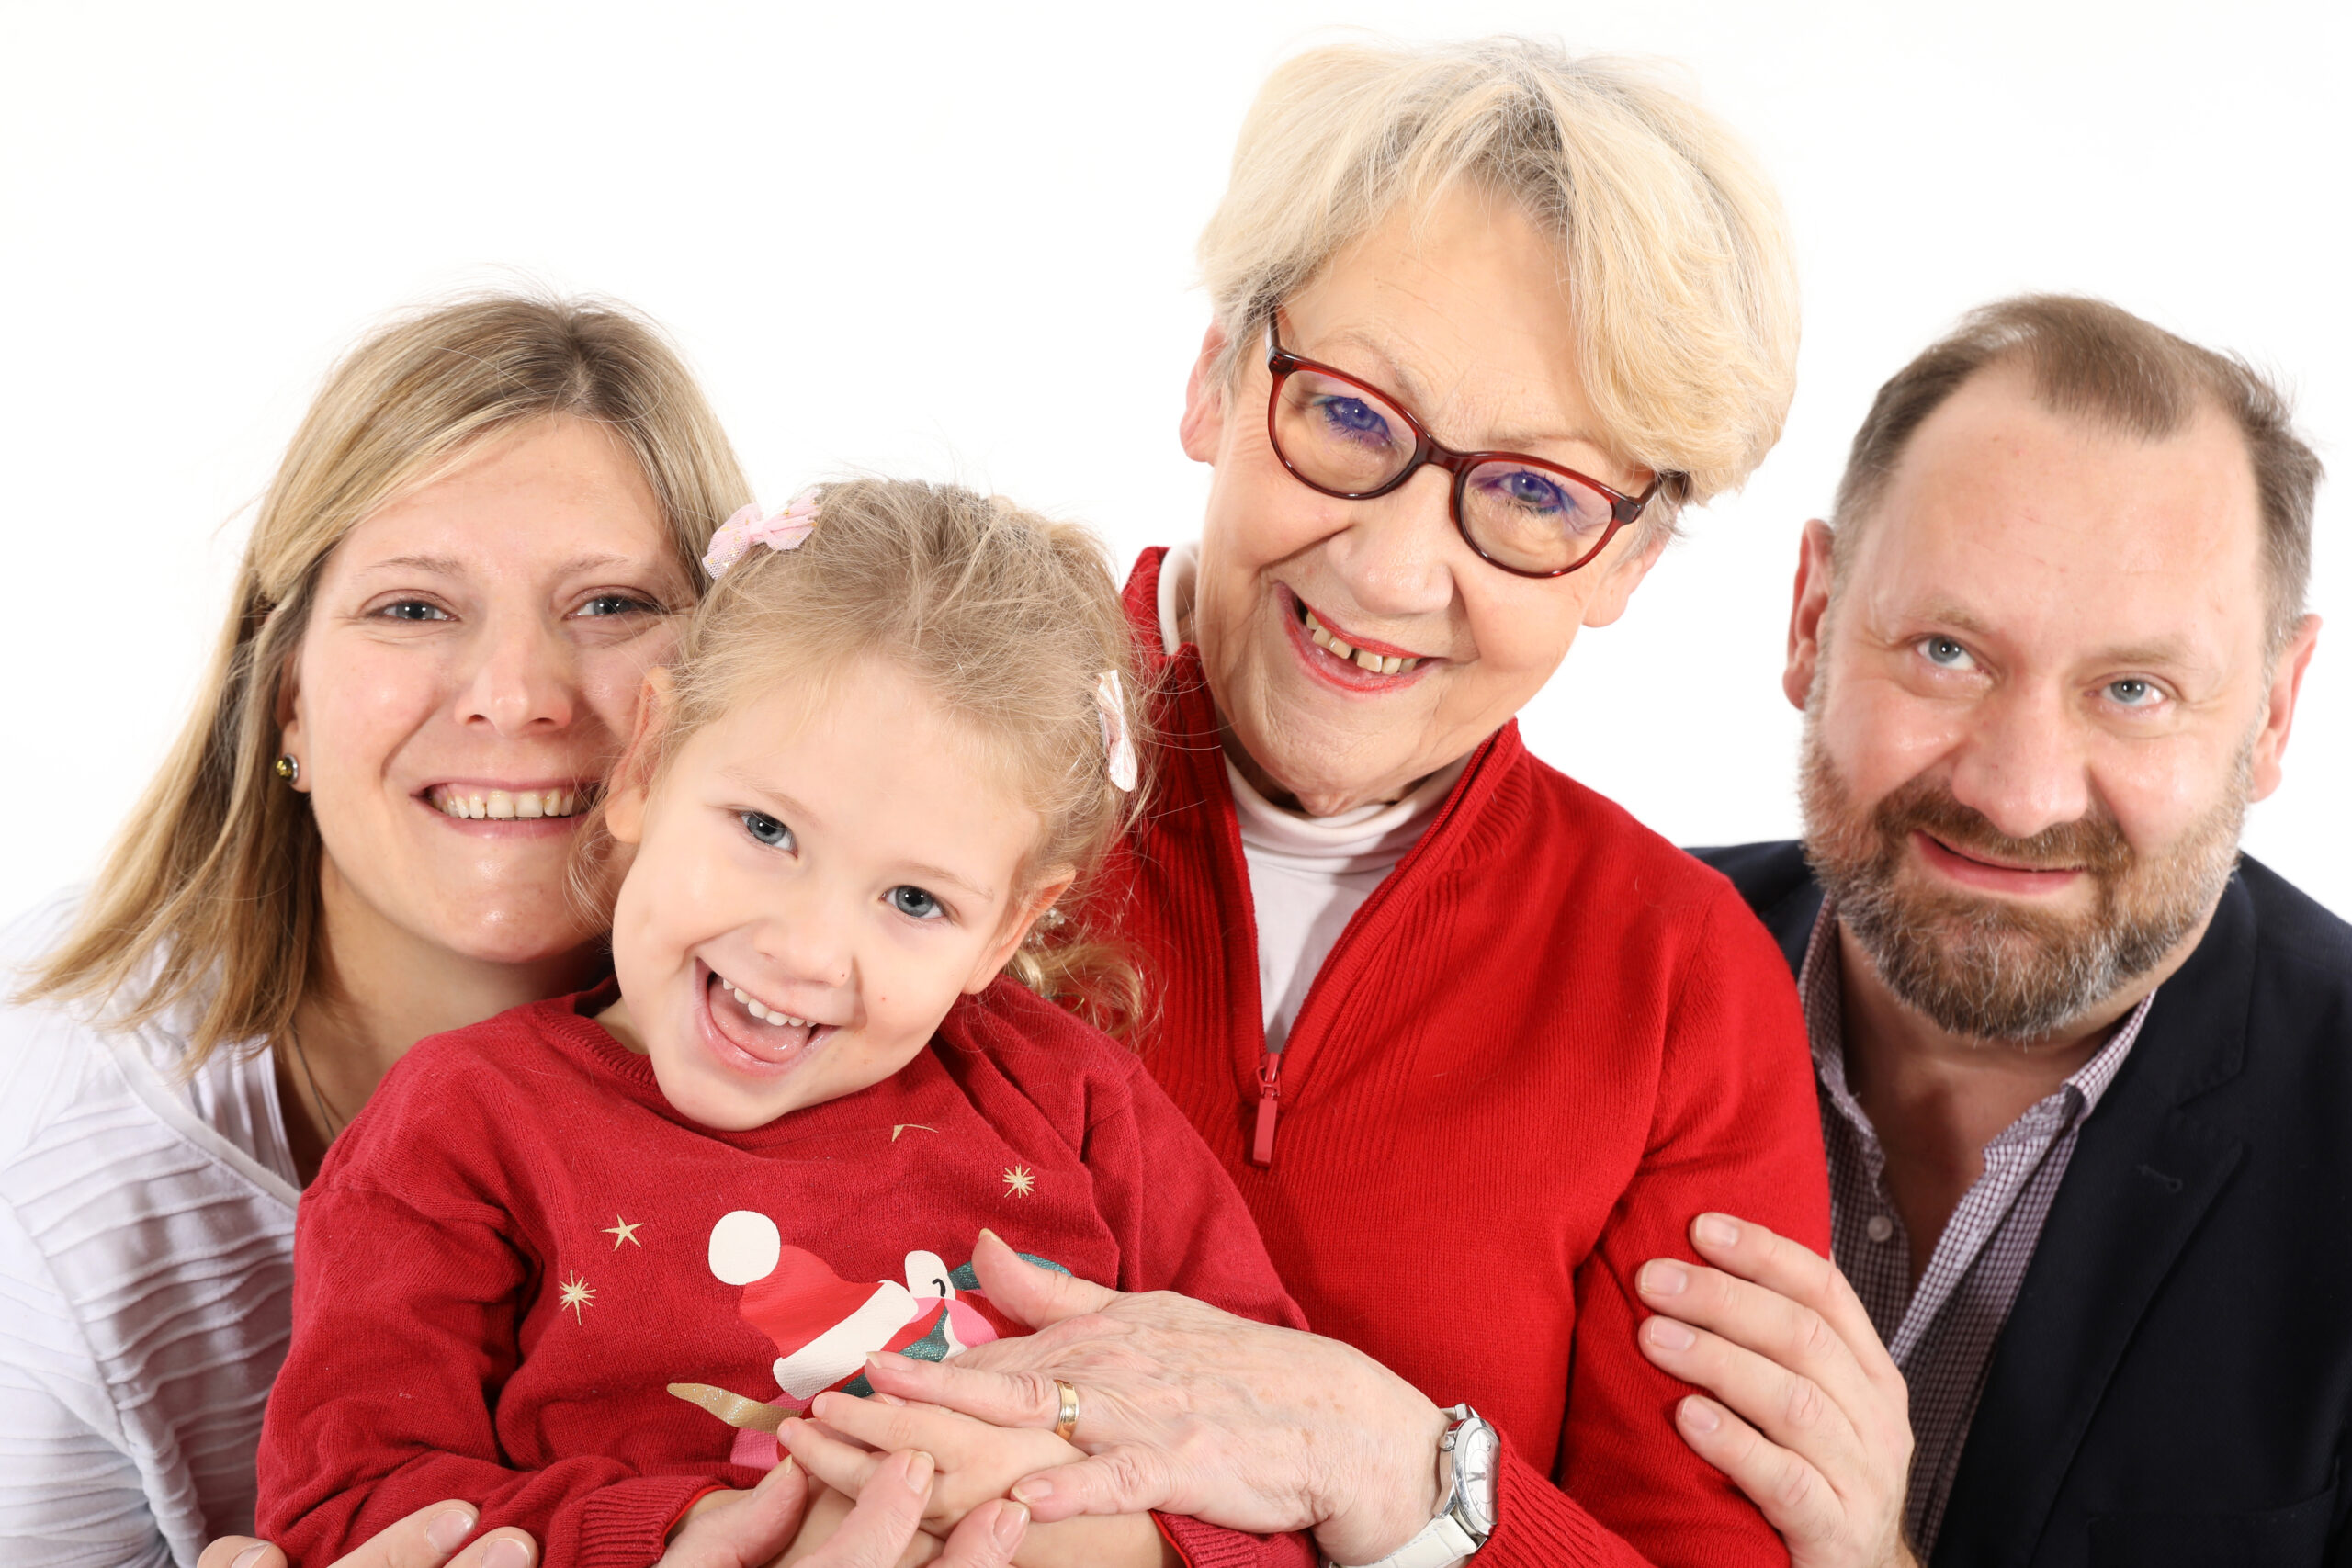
(477, 545)
(1473, 1044)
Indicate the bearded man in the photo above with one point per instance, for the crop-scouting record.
(2085, 1072)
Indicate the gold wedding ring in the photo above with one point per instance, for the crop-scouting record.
(1065, 1420)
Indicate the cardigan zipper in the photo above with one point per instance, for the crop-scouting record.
(1269, 1099)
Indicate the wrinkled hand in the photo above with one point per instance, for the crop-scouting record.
(1193, 1411)
(1814, 1419)
(430, 1537)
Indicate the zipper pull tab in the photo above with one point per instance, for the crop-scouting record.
(1270, 1096)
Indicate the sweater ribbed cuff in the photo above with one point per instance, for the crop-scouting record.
(1539, 1526)
(1213, 1546)
(626, 1525)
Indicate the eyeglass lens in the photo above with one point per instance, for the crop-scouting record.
(1351, 441)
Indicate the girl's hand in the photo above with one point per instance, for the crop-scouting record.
(884, 1530)
(779, 1522)
(430, 1537)
(1192, 1410)
(975, 1461)
(1814, 1419)
(976, 1464)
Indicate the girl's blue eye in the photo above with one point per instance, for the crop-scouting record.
(766, 829)
(914, 903)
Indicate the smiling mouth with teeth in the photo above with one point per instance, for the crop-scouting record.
(1362, 659)
(503, 806)
(758, 1009)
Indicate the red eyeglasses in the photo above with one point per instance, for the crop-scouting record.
(1348, 439)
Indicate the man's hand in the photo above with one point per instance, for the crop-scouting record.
(430, 1537)
(1192, 1410)
(1814, 1422)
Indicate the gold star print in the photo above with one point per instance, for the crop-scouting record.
(1020, 1181)
(577, 1293)
(622, 1230)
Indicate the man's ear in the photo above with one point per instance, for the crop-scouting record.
(1620, 578)
(2279, 717)
(1016, 931)
(1203, 426)
(1809, 606)
(632, 786)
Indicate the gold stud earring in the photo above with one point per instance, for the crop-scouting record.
(287, 768)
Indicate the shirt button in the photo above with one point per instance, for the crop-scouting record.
(1879, 1228)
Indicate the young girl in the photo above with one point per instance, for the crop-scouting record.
(580, 1263)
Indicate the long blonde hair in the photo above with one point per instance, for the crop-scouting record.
(1007, 619)
(211, 896)
(1674, 253)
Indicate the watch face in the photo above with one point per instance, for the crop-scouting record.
(1476, 1455)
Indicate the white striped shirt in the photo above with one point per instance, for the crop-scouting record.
(146, 1280)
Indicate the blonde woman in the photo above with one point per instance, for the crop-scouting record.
(480, 539)
(1476, 1046)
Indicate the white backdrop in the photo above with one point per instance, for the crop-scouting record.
(910, 237)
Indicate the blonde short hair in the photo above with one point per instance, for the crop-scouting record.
(211, 896)
(1673, 248)
(1006, 619)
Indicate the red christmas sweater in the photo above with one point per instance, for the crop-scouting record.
(1545, 1043)
(518, 1247)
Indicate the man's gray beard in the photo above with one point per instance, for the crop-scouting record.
(1985, 968)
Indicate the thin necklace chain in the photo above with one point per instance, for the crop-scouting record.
(333, 1119)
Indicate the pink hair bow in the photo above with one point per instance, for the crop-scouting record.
(785, 531)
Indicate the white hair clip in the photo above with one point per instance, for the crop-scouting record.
(785, 531)
(1118, 746)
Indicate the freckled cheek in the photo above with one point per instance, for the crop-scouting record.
(612, 681)
(361, 712)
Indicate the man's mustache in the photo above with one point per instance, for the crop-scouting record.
(2092, 842)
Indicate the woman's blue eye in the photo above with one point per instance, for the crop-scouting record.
(615, 605)
(1353, 417)
(766, 829)
(414, 610)
(1532, 491)
(914, 903)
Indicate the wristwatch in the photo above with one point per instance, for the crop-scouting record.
(1467, 1458)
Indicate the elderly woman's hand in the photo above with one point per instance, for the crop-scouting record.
(1192, 1410)
(1814, 1422)
(426, 1538)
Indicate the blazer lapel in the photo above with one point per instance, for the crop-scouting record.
(2142, 1176)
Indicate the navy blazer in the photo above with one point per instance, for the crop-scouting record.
(2174, 1385)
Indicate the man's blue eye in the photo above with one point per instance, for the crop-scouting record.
(766, 829)
(2131, 693)
(1944, 650)
(914, 903)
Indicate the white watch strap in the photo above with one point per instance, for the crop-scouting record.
(1441, 1542)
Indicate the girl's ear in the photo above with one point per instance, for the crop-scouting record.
(1016, 932)
(632, 786)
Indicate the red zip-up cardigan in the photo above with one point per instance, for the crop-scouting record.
(1545, 1043)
